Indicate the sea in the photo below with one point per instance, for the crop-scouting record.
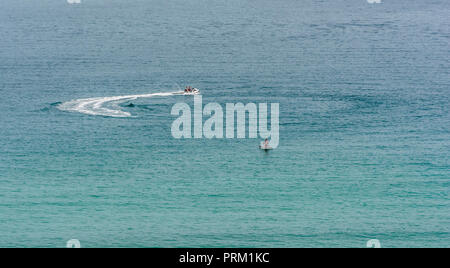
(87, 152)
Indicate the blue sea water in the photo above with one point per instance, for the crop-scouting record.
(364, 94)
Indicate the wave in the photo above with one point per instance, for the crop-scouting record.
(106, 106)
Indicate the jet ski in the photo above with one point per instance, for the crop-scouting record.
(265, 146)
(194, 91)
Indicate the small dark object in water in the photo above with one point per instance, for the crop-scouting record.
(131, 105)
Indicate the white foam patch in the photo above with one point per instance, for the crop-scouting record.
(106, 106)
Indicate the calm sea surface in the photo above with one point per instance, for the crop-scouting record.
(364, 94)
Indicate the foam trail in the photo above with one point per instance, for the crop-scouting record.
(98, 106)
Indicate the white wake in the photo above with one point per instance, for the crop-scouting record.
(106, 106)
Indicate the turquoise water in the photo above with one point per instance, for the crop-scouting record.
(364, 123)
